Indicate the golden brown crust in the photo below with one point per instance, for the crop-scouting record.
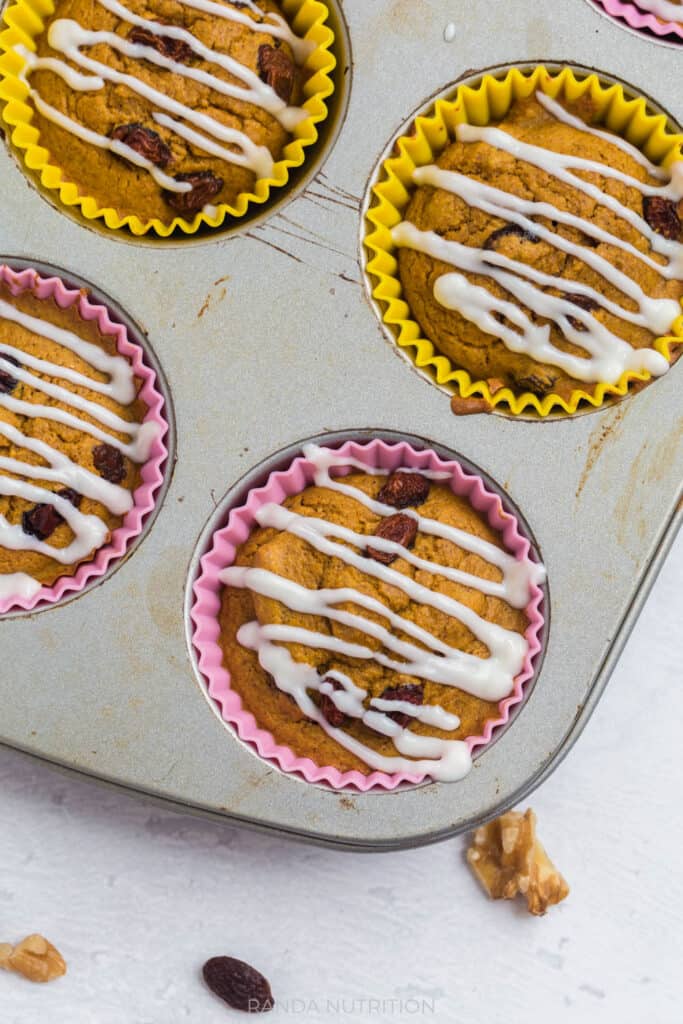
(287, 555)
(113, 181)
(482, 355)
(77, 445)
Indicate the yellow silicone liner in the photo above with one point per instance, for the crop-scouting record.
(489, 100)
(25, 20)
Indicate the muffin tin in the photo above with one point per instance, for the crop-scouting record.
(266, 338)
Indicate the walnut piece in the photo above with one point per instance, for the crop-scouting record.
(35, 958)
(508, 859)
(469, 406)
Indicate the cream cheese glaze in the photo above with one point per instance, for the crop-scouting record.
(69, 38)
(423, 655)
(607, 356)
(89, 531)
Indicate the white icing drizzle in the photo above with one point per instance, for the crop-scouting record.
(256, 92)
(197, 139)
(443, 760)
(121, 386)
(607, 355)
(559, 112)
(68, 37)
(102, 141)
(89, 531)
(518, 575)
(62, 470)
(428, 658)
(662, 8)
(273, 24)
(18, 584)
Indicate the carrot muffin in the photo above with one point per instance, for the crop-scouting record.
(544, 253)
(372, 621)
(72, 441)
(163, 108)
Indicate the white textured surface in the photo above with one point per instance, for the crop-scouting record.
(137, 898)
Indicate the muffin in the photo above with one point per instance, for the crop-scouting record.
(72, 438)
(161, 110)
(543, 254)
(373, 622)
(572, 191)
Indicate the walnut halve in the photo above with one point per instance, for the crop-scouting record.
(35, 958)
(508, 859)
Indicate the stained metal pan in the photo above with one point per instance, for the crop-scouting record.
(266, 337)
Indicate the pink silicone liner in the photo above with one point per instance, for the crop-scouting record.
(639, 19)
(151, 474)
(241, 521)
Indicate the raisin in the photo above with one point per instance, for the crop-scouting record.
(331, 712)
(539, 383)
(404, 489)
(41, 521)
(144, 141)
(108, 462)
(7, 381)
(410, 692)
(205, 186)
(167, 46)
(401, 529)
(509, 229)
(662, 216)
(277, 69)
(238, 984)
(583, 302)
(69, 494)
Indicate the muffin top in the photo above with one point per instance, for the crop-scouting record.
(544, 253)
(162, 108)
(374, 621)
(71, 440)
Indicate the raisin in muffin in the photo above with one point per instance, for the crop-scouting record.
(161, 108)
(372, 620)
(543, 252)
(72, 440)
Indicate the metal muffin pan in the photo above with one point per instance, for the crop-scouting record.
(266, 337)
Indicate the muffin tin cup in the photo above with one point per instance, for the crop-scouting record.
(489, 99)
(53, 289)
(641, 20)
(241, 521)
(25, 20)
